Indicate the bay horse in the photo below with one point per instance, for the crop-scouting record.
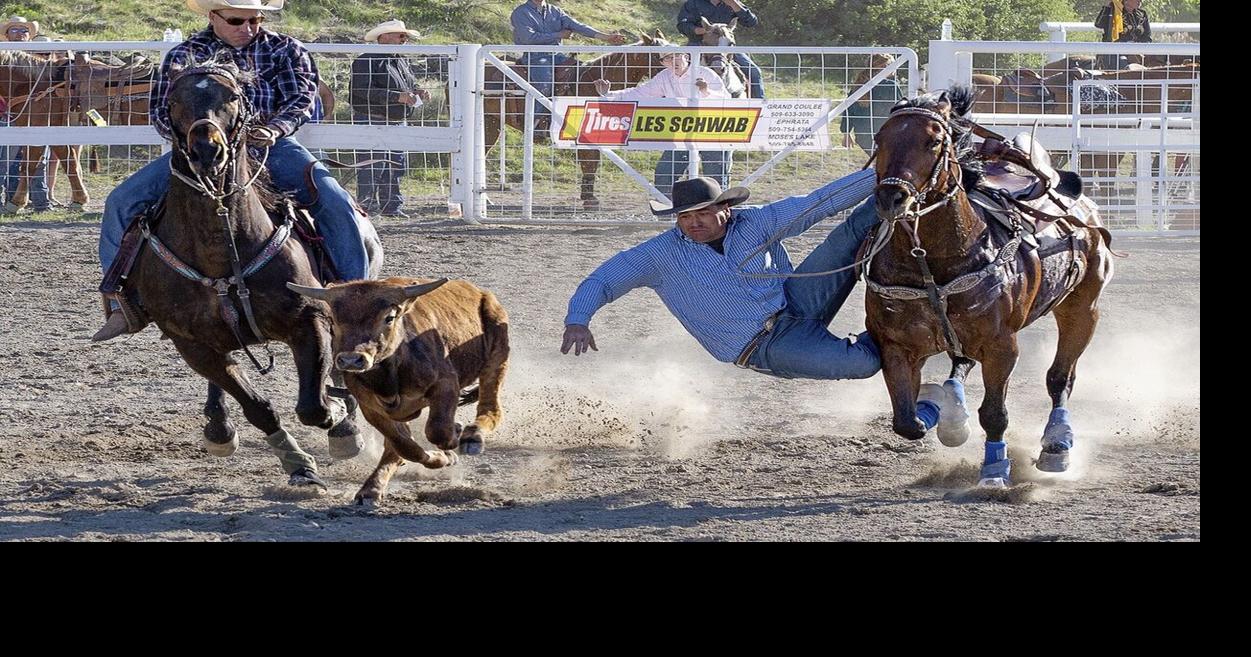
(951, 279)
(37, 91)
(217, 233)
(619, 68)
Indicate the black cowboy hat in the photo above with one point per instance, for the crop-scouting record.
(699, 193)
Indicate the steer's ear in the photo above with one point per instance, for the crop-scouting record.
(319, 293)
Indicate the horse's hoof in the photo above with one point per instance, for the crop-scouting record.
(9, 208)
(367, 503)
(472, 442)
(306, 477)
(345, 445)
(997, 473)
(992, 482)
(590, 203)
(1053, 461)
(76, 207)
(221, 448)
(452, 459)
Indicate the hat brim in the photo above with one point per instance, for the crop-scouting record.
(732, 196)
(197, 7)
(372, 37)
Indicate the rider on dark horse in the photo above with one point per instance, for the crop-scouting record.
(282, 97)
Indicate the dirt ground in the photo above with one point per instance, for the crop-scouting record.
(648, 439)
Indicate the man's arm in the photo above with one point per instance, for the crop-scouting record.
(745, 16)
(1105, 14)
(296, 87)
(653, 88)
(688, 21)
(570, 23)
(611, 281)
(799, 213)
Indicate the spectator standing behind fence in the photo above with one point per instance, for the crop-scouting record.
(865, 117)
(679, 80)
(18, 28)
(384, 91)
(721, 11)
(1122, 21)
(537, 23)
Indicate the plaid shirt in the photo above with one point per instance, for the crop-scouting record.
(286, 78)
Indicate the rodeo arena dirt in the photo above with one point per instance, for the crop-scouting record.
(649, 437)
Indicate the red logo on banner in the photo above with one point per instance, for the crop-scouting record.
(606, 123)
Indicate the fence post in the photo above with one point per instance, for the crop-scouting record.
(463, 86)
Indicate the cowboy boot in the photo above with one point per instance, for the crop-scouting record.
(118, 321)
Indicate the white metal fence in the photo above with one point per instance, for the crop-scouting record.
(471, 148)
(1114, 127)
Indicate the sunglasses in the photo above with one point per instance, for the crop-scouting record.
(18, 30)
(236, 22)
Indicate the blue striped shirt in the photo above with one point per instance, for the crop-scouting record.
(533, 26)
(722, 309)
(286, 78)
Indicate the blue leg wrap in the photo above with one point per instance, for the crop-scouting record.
(1058, 435)
(927, 413)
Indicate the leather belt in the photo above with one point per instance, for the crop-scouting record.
(756, 341)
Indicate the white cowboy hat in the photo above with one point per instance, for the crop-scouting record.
(18, 21)
(205, 7)
(389, 27)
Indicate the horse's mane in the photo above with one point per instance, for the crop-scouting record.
(957, 101)
(218, 60)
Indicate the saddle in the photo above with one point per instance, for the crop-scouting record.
(1021, 185)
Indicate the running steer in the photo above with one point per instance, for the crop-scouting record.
(405, 344)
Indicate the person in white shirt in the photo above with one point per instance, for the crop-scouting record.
(679, 80)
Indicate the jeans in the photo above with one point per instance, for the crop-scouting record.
(800, 346)
(334, 211)
(11, 164)
(541, 74)
(672, 166)
(378, 185)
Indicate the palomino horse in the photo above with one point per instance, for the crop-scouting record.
(37, 90)
(619, 68)
(217, 234)
(945, 278)
(722, 35)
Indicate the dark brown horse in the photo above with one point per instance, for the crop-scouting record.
(619, 68)
(214, 209)
(38, 93)
(947, 279)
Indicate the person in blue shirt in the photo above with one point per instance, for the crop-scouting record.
(755, 318)
(538, 23)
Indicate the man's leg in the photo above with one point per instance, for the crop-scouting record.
(39, 200)
(671, 166)
(541, 73)
(716, 165)
(754, 76)
(819, 298)
(333, 211)
(135, 195)
(389, 191)
(366, 176)
(132, 197)
(805, 349)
